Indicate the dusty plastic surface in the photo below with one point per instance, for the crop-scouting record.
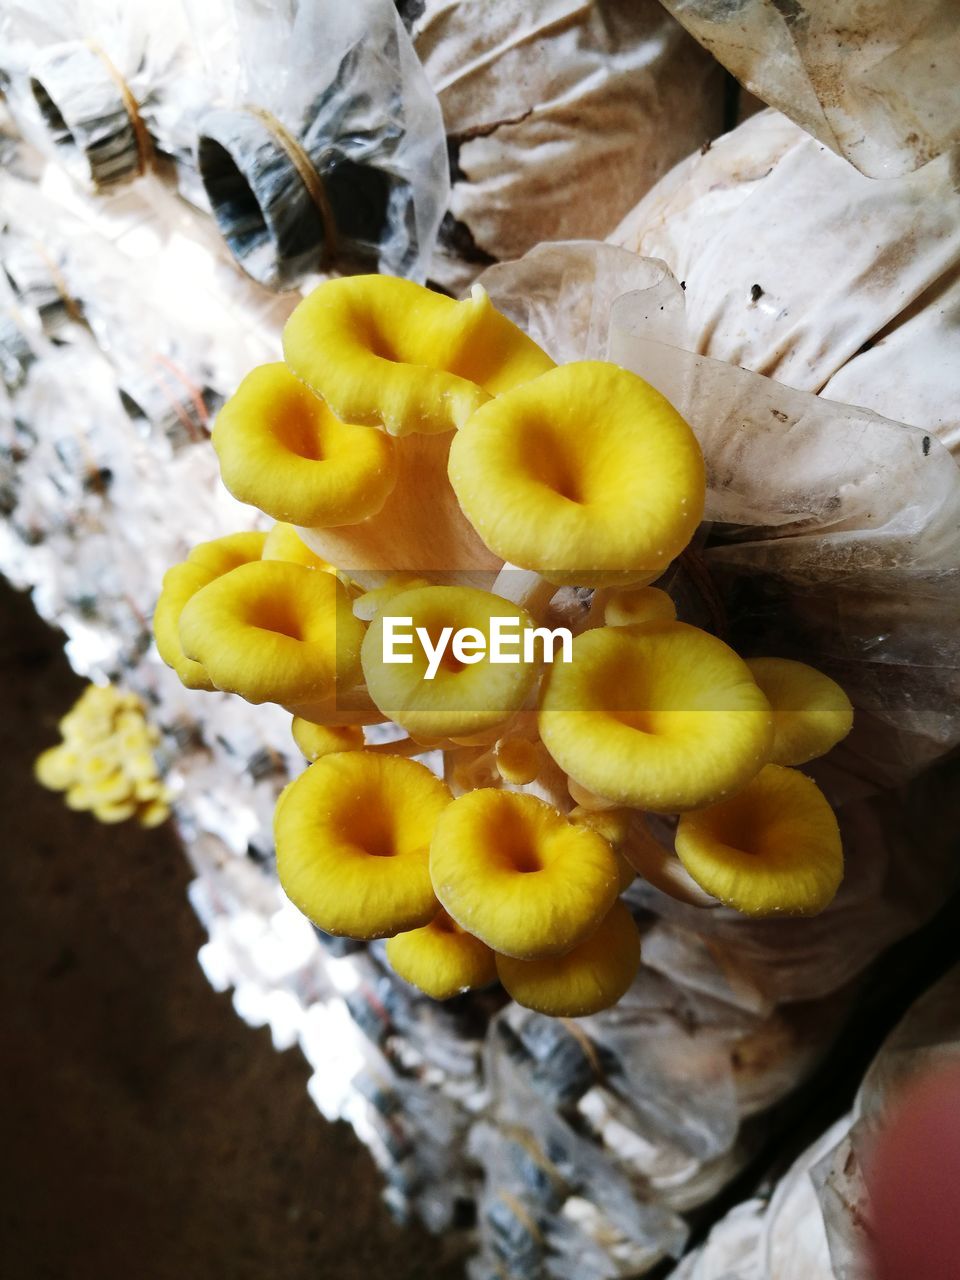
(560, 114)
(798, 267)
(879, 83)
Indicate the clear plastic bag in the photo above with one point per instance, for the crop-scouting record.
(798, 267)
(102, 86)
(877, 83)
(560, 115)
(816, 1224)
(326, 147)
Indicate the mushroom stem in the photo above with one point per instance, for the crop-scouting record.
(661, 867)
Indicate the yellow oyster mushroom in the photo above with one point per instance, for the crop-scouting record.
(79, 797)
(811, 713)
(648, 604)
(112, 789)
(591, 977)
(353, 837)
(316, 740)
(154, 813)
(369, 603)
(57, 767)
(389, 353)
(772, 849)
(283, 542)
(207, 561)
(275, 632)
(587, 475)
(518, 760)
(459, 691)
(441, 959)
(220, 555)
(281, 449)
(662, 717)
(514, 873)
(114, 811)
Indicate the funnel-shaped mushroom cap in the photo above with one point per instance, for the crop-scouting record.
(811, 713)
(387, 352)
(773, 849)
(662, 717)
(513, 872)
(586, 474)
(441, 959)
(518, 760)
(57, 767)
(316, 740)
(284, 543)
(207, 561)
(628, 608)
(282, 450)
(591, 977)
(275, 632)
(463, 697)
(353, 838)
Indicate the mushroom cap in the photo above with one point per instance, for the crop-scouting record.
(283, 542)
(369, 603)
(110, 812)
(648, 604)
(207, 561)
(220, 555)
(281, 449)
(586, 474)
(316, 740)
(275, 632)
(772, 849)
(514, 873)
(57, 767)
(811, 713)
(389, 353)
(461, 699)
(663, 717)
(353, 838)
(518, 760)
(591, 977)
(441, 959)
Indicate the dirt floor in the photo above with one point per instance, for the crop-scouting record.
(147, 1133)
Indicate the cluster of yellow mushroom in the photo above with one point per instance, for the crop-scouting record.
(462, 483)
(105, 763)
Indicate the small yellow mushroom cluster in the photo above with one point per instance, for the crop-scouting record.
(461, 482)
(106, 763)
